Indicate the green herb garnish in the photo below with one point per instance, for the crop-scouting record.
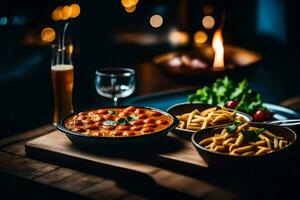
(109, 123)
(125, 121)
(232, 127)
(111, 112)
(132, 118)
(252, 136)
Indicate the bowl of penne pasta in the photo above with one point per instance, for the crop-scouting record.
(240, 144)
(195, 117)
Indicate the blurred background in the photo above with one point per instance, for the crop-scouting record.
(130, 33)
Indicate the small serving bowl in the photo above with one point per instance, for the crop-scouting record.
(181, 108)
(217, 159)
(124, 141)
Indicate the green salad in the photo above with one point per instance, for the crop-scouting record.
(239, 96)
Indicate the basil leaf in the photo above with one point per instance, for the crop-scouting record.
(132, 118)
(111, 112)
(109, 123)
(122, 121)
(252, 136)
(232, 127)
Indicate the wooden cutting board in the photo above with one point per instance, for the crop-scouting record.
(180, 153)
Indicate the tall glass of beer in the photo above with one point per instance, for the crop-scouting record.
(62, 75)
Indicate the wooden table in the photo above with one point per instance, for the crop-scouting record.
(31, 178)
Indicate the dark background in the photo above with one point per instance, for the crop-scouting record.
(267, 27)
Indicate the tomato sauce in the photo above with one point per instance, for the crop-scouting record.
(118, 122)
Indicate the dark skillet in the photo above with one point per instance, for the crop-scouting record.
(124, 141)
(217, 159)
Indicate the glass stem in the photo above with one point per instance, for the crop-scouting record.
(115, 101)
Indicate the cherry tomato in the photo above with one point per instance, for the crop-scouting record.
(232, 104)
(107, 116)
(261, 115)
(138, 122)
(150, 125)
(155, 113)
(136, 128)
(142, 116)
(116, 133)
(123, 127)
(147, 130)
(130, 109)
(149, 120)
(161, 121)
(92, 127)
(139, 111)
(78, 123)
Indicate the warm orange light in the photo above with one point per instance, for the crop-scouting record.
(129, 3)
(208, 22)
(200, 37)
(70, 49)
(66, 12)
(156, 21)
(130, 9)
(75, 10)
(217, 44)
(57, 14)
(178, 38)
(48, 34)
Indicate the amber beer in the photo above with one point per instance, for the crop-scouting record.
(62, 82)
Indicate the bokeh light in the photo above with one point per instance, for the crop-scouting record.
(129, 3)
(178, 38)
(57, 14)
(75, 10)
(66, 12)
(156, 21)
(208, 22)
(200, 37)
(48, 34)
(3, 21)
(130, 9)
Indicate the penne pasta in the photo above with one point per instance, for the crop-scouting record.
(262, 151)
(275, 143)
(248, 153)
(209, 117)
(244, 149)
(239, 140)
(242, 143)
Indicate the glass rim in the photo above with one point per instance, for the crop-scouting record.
(125, 72)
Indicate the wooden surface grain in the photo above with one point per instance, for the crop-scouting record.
(52, 179)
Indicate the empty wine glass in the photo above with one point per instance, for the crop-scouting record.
(115, 83)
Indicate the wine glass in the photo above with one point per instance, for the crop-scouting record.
(115, 83)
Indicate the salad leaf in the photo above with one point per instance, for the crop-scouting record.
(221, 90)
(203, 95)
(224, 90)
(252, 136)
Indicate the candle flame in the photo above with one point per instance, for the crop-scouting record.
(217, 44)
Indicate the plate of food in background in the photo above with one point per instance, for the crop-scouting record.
(239, 96)
(195, 117)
